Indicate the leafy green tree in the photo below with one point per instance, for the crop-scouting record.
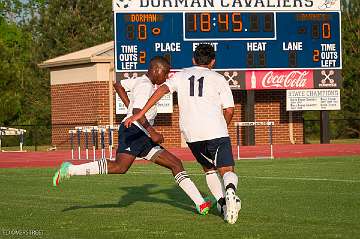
(36, 30)
(64, 26)
(351, 67)
(350, 93)
(11, 65)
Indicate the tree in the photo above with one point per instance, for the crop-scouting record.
(350, 92)
(64, 26)
(351, 67)
(36, 30)
(12, 62)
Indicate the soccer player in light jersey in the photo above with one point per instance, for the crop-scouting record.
(206, 107)
(141, 139)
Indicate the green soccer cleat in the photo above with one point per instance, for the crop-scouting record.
(61, 174)
(204, 208)
(209, 203)
(212, 200)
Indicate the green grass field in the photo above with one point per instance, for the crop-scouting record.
(293, 198)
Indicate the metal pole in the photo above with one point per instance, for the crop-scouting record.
(97, 139)
(21, 140)
(102, 143)
(93, 141)
(72, 143)
(238, 141)
(86, 143)
(110, 142)
(271, 143)
(78, 141)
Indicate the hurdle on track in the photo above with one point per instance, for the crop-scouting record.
(72, 132)
(86, 132)
(78, 133)
(111, 134)
(102, 139)
(249, 124)
(5, 131)
(94, 130)
(94, 135)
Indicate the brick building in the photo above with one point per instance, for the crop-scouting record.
(82, 94)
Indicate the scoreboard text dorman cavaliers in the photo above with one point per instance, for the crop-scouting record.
(226, 3)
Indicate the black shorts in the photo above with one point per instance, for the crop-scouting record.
(213, 153)
(135, 142)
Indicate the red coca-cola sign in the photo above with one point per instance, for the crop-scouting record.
(287, 79)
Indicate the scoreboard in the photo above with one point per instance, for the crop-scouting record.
(246, 35)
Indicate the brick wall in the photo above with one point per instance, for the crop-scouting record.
(271, 105)
(77, 104)
(87, 103)
(239, 115)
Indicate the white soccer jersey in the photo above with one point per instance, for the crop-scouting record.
(202, 96)
(140, 90)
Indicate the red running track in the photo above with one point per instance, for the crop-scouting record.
(54, 159)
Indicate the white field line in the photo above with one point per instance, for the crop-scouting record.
(256, 177)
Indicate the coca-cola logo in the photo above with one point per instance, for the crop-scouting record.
(292, 79)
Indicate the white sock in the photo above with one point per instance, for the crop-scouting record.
(230, 180)
(97, 167)
(214, 184)
(189, 187)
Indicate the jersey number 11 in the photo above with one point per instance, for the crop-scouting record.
(192, 84)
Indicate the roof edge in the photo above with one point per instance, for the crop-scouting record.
(94, 59)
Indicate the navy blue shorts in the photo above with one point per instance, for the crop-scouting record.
(213, 153)
(135, 142)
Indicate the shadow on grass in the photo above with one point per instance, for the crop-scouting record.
(146, 193)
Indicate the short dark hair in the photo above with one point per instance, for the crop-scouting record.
(204, 54)
(159, 61)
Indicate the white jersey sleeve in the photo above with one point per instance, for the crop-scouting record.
(142, 93)
(173, 83)
(128, 84)
(226, 96)
(141, 90)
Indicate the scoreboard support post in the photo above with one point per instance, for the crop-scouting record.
(324, 127)
(250, 117)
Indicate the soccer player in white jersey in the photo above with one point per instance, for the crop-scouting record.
(141, 139)
(206, 107)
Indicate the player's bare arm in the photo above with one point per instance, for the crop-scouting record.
(228, 114)
(122, 93)
(160, 92)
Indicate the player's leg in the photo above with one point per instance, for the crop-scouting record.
(214, 182)
(67, 170)
(221, 148)
(125, 156)
(165, 159)
(119, 166)
(216, 187)
(130, 146)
